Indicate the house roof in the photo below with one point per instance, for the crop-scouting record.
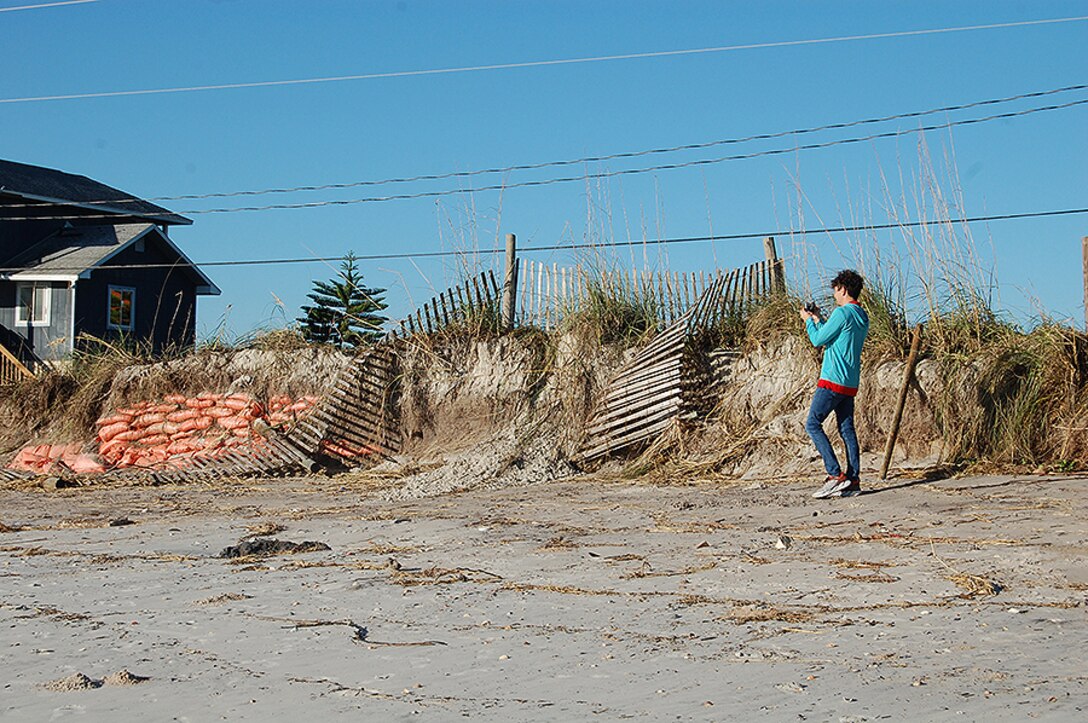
(35, 183)
(74, 253)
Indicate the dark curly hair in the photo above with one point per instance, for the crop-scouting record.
(850, 280)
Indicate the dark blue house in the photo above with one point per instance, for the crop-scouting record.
(79, 258)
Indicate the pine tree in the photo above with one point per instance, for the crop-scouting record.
(344, 313)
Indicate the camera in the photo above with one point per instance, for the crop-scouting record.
(811, 308)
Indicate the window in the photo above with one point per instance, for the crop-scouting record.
(122, 301)
(32, 305)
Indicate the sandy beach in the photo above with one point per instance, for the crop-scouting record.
(949, 599)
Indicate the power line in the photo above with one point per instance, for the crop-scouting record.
(628, 154)
(542, 63)
(601, 174)
(39, 6)
(593, 159)
(570, 247)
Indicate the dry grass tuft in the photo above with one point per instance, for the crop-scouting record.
(744, 614)
(873, 576)
(264, 529)
(975, 585)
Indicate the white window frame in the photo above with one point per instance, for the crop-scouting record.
(132, 308)
(39, 303)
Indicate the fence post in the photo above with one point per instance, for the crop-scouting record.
(510, 283)
(1084, 268)
(778, 275)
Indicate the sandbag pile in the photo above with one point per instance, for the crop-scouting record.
(150, 434)
(169, 433)
(47, 458)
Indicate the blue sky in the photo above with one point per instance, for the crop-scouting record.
(255, 138)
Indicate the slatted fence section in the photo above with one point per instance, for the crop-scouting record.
(655, 387)
(358, 416)
(475, 296)
(12, 370)
(548, 292)
(271, 456)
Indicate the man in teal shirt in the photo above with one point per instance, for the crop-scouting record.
(842, 337)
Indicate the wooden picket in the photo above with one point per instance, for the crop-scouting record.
(473, 297)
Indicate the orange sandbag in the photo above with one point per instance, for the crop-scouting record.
(299, 407)
(131, 436)
(181, 415)
(145, 420)
(56, 451)
(237, 403)
(163, 408)
(113, 419)
(86, 464)
(110, 431)
(241, 432)
(181, 446)
(152, 458)
(174, 398)
(26, 460)
(219, 412)
(114, 444)
(195, 424)
(153, 429)
(171, 428)
(235, 422)
(195, 403)
(154, 439)
(128, 458)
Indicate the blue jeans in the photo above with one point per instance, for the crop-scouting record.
(824, 402)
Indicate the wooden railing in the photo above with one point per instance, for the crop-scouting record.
(11, 369)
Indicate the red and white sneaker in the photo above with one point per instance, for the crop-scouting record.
(851, 490)
(833, 486)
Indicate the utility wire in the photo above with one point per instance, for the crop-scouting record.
(569, 247)
(601, 174)
(13, 8)
(542, 63)
(615, 156)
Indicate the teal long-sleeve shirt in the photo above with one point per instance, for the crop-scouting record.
(842, 337)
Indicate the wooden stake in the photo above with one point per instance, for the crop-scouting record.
(908, 374)
(778, 272)
(1084, 258)
(510, 283)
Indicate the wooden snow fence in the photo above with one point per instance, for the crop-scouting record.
(357, 417)
(667, 380)
(275, 455)
(471, 299)
(548, 292)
